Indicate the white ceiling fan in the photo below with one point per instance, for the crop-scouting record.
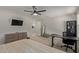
(35, 11)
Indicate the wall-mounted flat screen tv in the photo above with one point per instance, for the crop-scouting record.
(16, 22)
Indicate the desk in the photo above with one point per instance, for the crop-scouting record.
(59, 36)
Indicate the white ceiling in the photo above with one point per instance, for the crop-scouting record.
(52, 11)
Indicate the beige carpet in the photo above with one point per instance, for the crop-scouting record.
(47, 41)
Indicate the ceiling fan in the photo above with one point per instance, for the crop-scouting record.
(35, 11)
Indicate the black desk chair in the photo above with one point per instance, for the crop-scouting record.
(68, 42)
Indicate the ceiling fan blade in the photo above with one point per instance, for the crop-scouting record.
(41, 11)
(32, 13)
(38, 13)
(27, 11)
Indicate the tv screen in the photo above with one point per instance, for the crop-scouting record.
(16, 22)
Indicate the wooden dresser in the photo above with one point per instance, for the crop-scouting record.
(15, 36)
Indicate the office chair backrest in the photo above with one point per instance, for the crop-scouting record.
(67, 41)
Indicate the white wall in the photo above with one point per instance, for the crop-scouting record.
(5, 23)
(56, 24)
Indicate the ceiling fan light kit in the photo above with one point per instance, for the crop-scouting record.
(35, 14)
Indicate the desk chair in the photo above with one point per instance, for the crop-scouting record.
(68, 42)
